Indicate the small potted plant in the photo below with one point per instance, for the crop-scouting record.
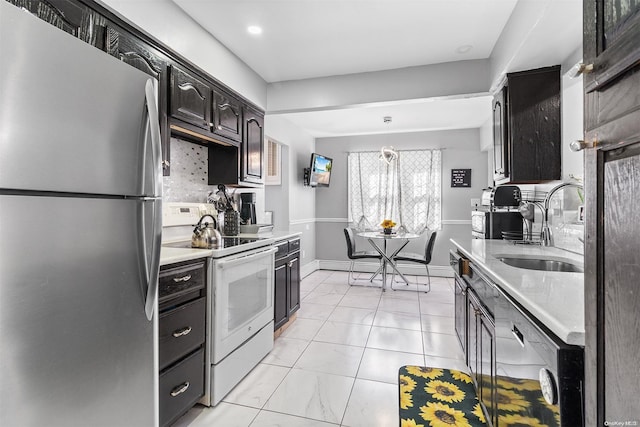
(387, 226)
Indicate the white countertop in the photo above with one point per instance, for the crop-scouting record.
(173, 255)
(556, 299)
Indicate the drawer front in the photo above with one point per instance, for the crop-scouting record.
(283, 249)
(181, 331)
(181, 387)
(180, 280)
(294, 245)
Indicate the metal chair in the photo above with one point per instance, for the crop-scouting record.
(420, 259)
(354, 255)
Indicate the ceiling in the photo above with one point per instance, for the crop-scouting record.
(317, 38)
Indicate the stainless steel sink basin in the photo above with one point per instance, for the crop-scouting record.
(541, 264)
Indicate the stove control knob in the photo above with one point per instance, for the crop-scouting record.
(548, 386)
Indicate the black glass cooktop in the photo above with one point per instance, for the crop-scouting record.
(227, 242)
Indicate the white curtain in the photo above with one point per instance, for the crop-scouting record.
(407, 191)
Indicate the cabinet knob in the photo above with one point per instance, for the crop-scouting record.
(165, 164)
(580, 68)
(580, 145)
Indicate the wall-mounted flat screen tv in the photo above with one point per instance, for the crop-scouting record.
(320, 170)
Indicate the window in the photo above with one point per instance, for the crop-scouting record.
(273, 176)
(408, 190)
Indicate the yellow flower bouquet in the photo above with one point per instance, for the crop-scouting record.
(387, 225)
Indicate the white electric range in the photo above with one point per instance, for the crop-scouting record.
(240, 280)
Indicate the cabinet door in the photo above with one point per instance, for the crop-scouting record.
(461, 313)
(252, 149)
(138, 54)
(534, 133)
(294, 284)
(190, 99)
(486, 364)
(64, 14)
(473, 310)
(227, 116)
(280, 296)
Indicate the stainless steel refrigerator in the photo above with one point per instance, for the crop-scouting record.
(80, 231)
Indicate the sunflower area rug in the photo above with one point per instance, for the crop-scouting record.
(431, 397)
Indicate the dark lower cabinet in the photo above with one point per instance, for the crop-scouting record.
(460, 310)
(481, 341)
(286, 281)
(182, 310)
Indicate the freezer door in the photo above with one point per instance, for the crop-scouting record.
(73, 118)
(77, 348)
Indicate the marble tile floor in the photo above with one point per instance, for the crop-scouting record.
(337, 364)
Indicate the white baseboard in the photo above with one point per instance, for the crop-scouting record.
(309, 268)
(370, 267)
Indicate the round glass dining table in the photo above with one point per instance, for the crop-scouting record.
(375, 237)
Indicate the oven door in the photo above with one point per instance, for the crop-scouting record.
(242, 300)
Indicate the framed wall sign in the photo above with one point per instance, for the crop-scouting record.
(460, 177)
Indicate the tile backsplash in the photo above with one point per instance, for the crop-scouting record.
(188, 181)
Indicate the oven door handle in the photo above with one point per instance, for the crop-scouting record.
(243, 259)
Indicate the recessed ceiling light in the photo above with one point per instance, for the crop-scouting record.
(464, 48)
(254, 29)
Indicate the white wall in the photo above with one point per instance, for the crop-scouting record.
(461, 149)
(293, 204)
(165, 21)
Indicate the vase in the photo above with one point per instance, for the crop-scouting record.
(387, 230)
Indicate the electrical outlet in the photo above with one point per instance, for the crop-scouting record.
(307, 226)
(475, 202)
(303, 254)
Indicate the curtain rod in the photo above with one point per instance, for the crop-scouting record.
(397, 151)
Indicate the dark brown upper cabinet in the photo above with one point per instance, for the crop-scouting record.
(190, 100)
(612, 165)
(227, 116)
(135, 52)
(527, 127)
(67, 15)
(253, 147)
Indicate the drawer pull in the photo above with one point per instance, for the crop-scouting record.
(182, 332)
(182, 279)
(180, 389)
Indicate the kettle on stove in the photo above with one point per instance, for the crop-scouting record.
(206, 235)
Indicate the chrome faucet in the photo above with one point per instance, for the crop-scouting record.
(547, 237)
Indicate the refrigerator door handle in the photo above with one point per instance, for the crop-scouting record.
(151, 267)
(151, 173)
(154, 175)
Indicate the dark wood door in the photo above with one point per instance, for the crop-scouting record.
(280, 295)
(612, 249)
(227, 116)
(253, 146)
(190, 99)
(294, 284)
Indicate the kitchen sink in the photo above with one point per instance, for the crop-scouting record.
(542, 264)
